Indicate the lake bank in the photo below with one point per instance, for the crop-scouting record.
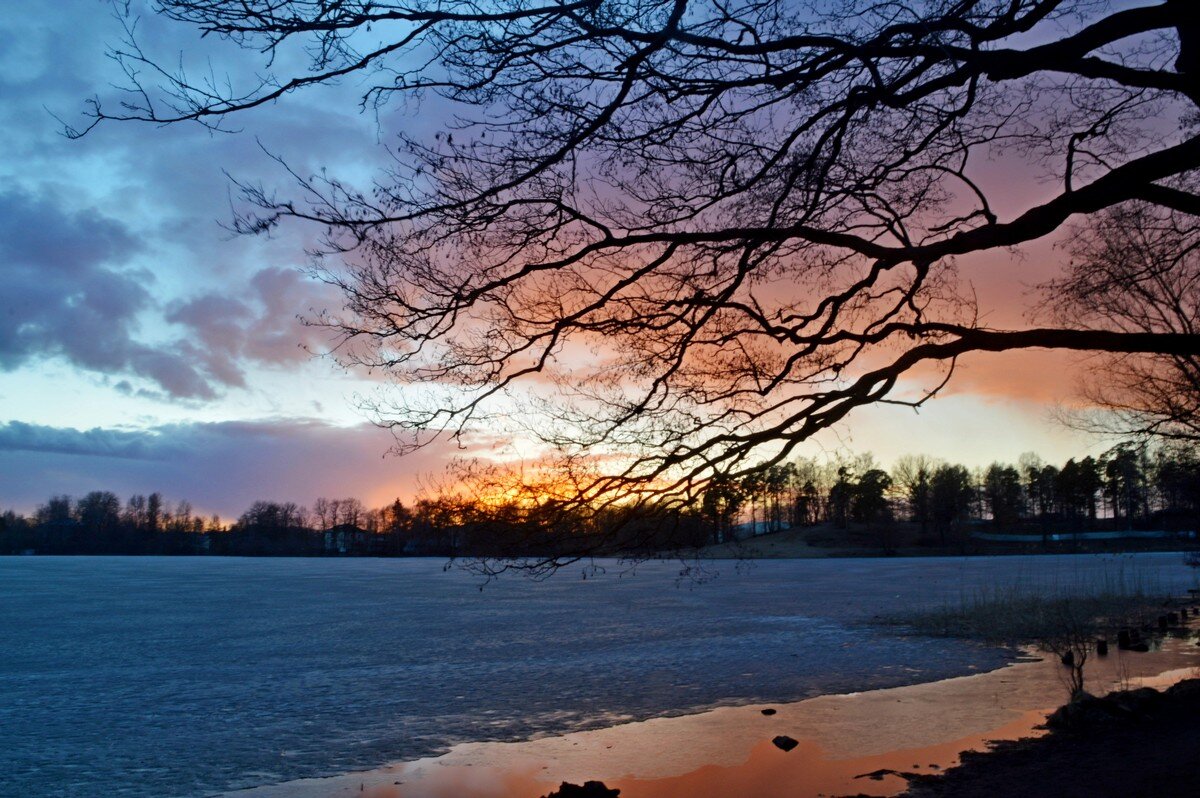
(1129, 743)
(847, 744)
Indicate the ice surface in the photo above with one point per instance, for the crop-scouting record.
(190, 676)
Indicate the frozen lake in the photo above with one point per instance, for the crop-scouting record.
(191, 676)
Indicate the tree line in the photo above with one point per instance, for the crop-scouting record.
(447, 524)
(1129, 487)
(920, 500)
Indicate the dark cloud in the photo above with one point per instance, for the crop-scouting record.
(66, 294)
(16, 436)
(219, 467)
(68, 290)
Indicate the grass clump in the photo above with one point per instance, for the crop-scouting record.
(1063, 620)
(1027, 609)
(1015, 617)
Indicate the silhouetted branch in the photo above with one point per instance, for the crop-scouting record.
(676, 236)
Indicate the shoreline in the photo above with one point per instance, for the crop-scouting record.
(847, 743)
(1131, 742)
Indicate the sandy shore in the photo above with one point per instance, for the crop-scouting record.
(727, 751)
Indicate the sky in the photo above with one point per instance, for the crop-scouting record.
(144, 347)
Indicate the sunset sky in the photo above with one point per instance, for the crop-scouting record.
(143, 347)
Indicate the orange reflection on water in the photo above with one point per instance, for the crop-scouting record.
(805, 771)
(727, 752)
(769, 772)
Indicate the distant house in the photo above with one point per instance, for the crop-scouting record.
(347, 539)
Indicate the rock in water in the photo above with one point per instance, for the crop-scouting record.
(590, 789)
(785, 743)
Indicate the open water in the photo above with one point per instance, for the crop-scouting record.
(192, 676)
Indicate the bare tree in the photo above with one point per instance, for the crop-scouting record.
(349, 511)
(1068, 633)
(697, 233)
(325, 513)
(1136, 268)
(910, 476)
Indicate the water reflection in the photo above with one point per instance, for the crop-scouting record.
(852, 744)
(849, 745)
(768, 772)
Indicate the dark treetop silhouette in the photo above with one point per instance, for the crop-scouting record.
(745, 215)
